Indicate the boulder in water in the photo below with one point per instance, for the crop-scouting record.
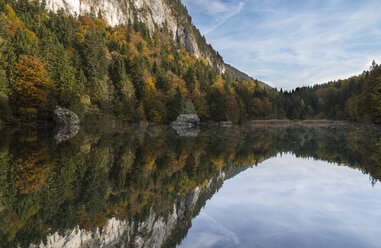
(65, 117)
(67, 124)
(189, 120)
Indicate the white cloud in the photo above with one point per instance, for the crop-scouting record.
(289, 46)
(225, 18)
(213, 7)
(210, 6)
(218, 11)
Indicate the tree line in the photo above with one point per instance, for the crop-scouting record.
(127, 73)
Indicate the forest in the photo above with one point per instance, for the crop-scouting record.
(127, 73)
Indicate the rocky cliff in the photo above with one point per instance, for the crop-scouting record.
(169, 14)
(154, 13)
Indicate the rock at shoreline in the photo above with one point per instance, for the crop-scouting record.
(65, 117)
(67, 124)
(226, 124)
(190, 120)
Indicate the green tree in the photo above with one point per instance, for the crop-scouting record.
(124, 90)
(93, 60)
(189, 108)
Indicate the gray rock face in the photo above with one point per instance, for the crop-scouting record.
(65, 117)
(187, 39)
(67, 124)
(154, 13)
(189, 121)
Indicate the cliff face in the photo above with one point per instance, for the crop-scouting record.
(154, 13)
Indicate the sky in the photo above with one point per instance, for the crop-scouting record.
(292, 43)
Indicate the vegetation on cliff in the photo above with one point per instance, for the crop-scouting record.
(125, 72)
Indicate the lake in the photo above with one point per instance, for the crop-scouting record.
(243, 186)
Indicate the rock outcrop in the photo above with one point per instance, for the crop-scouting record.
(67, 124)
(189, 121)
(154, 13)
(65, 117)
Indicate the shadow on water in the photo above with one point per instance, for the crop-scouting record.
(141, 187)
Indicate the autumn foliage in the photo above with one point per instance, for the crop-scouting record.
(32, 87)
(131, 73)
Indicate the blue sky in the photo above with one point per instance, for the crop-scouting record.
(292, 43)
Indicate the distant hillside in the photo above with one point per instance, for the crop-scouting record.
(236, 74)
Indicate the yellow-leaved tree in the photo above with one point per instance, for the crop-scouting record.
(32, 87)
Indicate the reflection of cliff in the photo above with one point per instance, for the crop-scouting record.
(155, 231)
(142, 187)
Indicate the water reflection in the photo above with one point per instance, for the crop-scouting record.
(291, 202)
(142, 187)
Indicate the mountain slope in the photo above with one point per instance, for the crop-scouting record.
(156, 14)
(145, 72)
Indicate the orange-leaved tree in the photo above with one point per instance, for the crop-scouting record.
(32, 87)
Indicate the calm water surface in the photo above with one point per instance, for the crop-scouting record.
(252, 186)
(291, 202)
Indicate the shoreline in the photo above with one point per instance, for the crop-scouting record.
(305, 123)
(143, 124)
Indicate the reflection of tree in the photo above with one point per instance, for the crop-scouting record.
(32, 168)
(26, 175)
(100, 174)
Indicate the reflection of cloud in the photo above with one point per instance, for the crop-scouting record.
(221, 229)
(295, 42)
(290, 202)
(220, 236)
(204, 240)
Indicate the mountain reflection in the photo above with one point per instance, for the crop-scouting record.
(137, 187)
